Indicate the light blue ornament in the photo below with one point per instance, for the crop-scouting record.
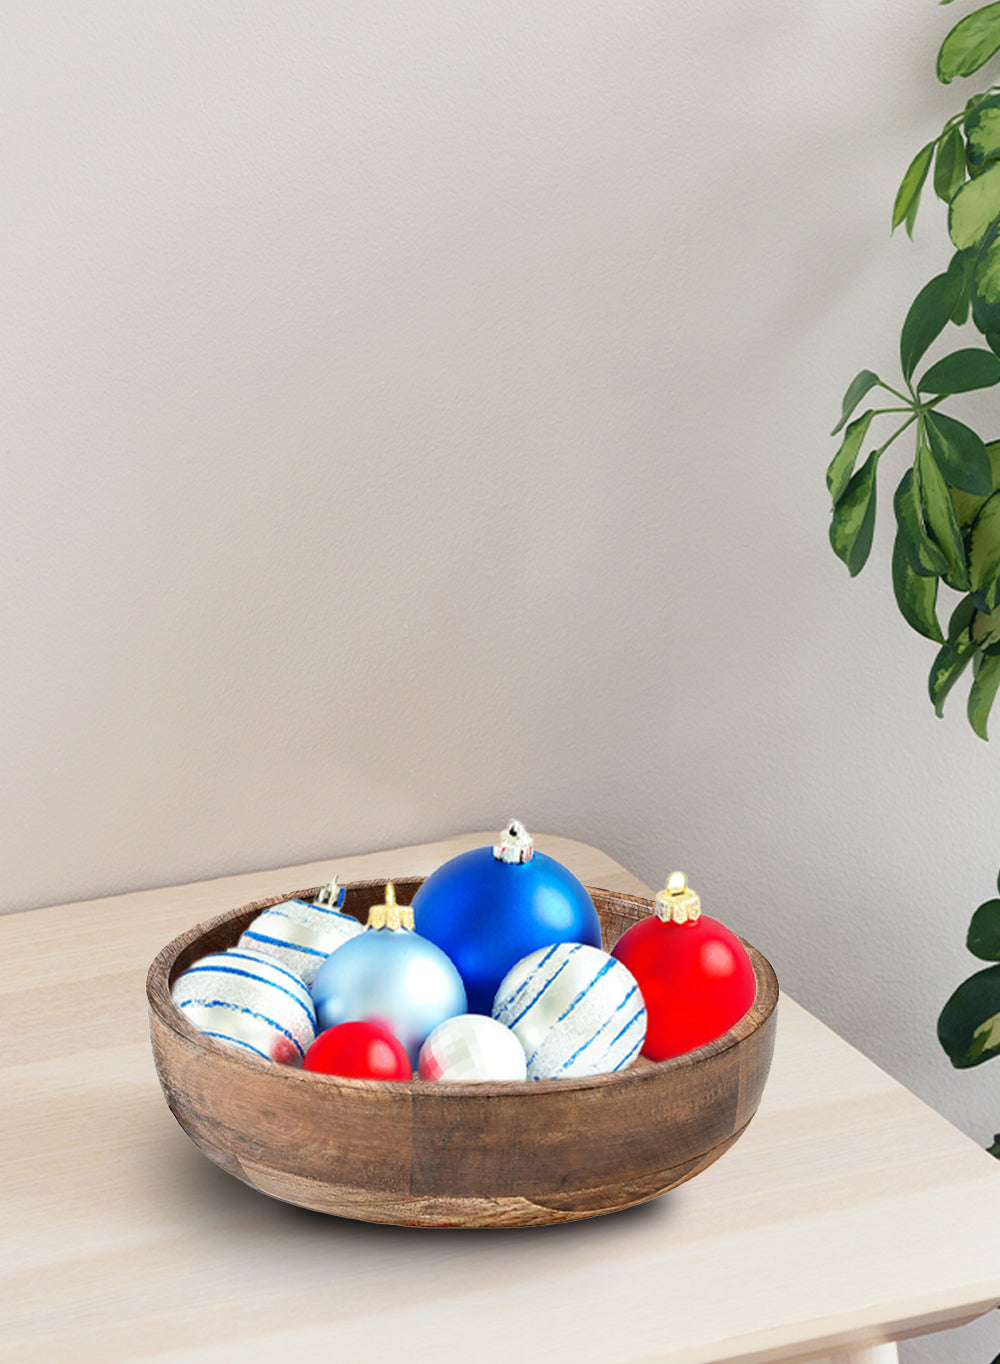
(389, 975)
(490, 907)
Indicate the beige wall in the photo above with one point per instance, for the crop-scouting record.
(416, 415)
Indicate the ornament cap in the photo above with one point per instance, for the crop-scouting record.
(389, 914)
(516, 844)
(677, 902)
(332, 894)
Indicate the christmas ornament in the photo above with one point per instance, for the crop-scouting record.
(694, 973)
(575, 1009)
(390, 975)
(248, 1000)
(359, 1051)
(302, 935)
(472, 1047)
(490, 907)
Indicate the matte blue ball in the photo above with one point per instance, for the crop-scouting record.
(391, 976)
(487, 914)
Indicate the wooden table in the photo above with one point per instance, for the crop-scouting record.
(849, 1215)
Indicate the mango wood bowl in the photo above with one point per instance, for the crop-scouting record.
(429, 1154)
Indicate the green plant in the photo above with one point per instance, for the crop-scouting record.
(947, 503)
(969, 1025)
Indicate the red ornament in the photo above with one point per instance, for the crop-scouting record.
(695, 975)
(359, 1051)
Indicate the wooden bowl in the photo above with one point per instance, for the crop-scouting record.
(511, 1154)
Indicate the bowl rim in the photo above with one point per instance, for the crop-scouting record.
(158, 998)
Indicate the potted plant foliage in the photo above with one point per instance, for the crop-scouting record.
(947, 501)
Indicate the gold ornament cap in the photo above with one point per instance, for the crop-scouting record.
(516, 844)
(677, 903)
(389, 914)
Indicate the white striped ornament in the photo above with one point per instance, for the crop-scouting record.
(250, 1001)
(575, 1009)
(300, 935)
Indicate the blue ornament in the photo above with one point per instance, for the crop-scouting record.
(490, 907)
(389, 975)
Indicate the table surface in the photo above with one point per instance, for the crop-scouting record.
(848, 1214)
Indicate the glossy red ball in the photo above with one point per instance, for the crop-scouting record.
(359, 1051)
(696, 979)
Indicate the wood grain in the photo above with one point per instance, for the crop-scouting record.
(456, 1155)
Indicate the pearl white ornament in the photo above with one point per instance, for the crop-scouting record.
(301, 935)
(248, 1000)
(575, 1009)
(472, 1047)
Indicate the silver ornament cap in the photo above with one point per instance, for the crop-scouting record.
(516, 844)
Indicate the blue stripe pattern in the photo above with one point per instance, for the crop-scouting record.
(307, 1009)
(512, 1001)
(626, 1059)
(262, 960)
(242, 1009)
(236, 1042)
(284, 942)
(609, 1047)
(555, 975)
(587, 988)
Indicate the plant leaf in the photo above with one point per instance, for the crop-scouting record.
(940, 519)
(969, 1024)
(975, 208)
(982, 132)
(960, 454)
(916, 595)
(967, 508)
(960, 266)
(970, 43)
(842, 465)
(908, 194)
(928, 315)
(949, 166)
(949, 665)
(984, 552)
(985, 632)
(962, 371)
(853, 524)
(860, 385)
(982, 693)
(983, 939)
(985, 287)
(960, 623)
(925, 558)
(954, 657)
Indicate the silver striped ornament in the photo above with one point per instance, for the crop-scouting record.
(250, 1001)
(575, 1009)
(300, 935)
